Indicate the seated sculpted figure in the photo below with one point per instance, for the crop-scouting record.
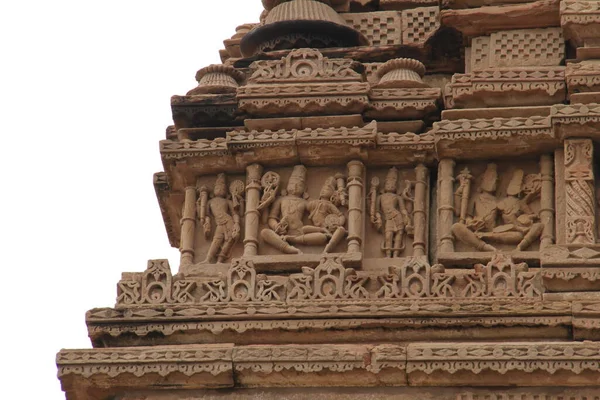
(285, 221)
(519, 223)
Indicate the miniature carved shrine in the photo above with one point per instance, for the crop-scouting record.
(386, 199)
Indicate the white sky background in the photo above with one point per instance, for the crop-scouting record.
(84, 100)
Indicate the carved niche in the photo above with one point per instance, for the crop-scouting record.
(397, 213)
(303, 211)
(489, 207)
(213, 220)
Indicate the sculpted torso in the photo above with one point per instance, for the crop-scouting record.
(220, 209)
(292, 211)
(485, 208)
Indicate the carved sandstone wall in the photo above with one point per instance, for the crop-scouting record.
(373, 194)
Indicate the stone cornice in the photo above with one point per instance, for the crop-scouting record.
(163, 360)
(580, 20)
(576, 120)
(503, 357)
(532, 364)
(459, 139)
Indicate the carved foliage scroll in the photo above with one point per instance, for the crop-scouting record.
(579, 192)
(331, 282)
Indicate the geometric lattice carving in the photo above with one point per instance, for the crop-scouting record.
(381, 28)
(518, 48)
(419, 23)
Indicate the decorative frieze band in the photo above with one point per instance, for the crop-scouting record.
(161, 360)
(190, 366)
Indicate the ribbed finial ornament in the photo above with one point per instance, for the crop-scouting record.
(401, 73)
(217, 78)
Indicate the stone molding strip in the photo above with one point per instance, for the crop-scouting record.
(415, 364)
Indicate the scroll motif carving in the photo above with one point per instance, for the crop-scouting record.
(579, 192)
(331, 282)
(303, 65)
(243, 284)
(155, 286)
(303, 83)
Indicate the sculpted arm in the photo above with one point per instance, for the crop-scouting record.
(274, 214)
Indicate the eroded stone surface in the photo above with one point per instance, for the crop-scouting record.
(370, 194)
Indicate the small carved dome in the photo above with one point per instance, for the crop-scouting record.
(217, 78)
(298, 24)
(401, 73)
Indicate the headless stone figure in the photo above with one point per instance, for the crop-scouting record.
(519, 226)
(285, 220)
(227, 221)
(388, 213)
(481, 214)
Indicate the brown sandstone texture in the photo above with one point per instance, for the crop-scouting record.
(373, 199)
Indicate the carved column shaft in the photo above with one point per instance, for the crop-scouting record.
(579, 192)
(252, 217)
(355, 206)
(188, 226)
(445, 206)
(547, 200)
(420, 213)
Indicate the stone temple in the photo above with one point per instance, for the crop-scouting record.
(373, 199)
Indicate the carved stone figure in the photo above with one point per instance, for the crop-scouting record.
(285, 221)
(479, 224)
(325, 214)
(226, 214)
(389, 213)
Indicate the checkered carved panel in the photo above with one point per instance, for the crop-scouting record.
(480, 53)
(518, 48)
(527, 47)
(419, 23)
(382, 28)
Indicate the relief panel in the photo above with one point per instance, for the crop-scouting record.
(397, 216)
(489, 207)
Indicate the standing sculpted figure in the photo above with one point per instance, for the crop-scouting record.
(285, 220)
(226, 214)
(520, 224)
(388, 212)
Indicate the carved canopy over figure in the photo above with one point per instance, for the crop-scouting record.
(389, 212)
(519, 225)
(226, 214)
(285, 219)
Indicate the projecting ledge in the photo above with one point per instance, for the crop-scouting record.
(96, 374)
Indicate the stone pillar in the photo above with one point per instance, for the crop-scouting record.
(188, 227)
(355, 205)
(420, 211)
(580, 199)
(547, 200)
(252, 217)
(445, 206)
